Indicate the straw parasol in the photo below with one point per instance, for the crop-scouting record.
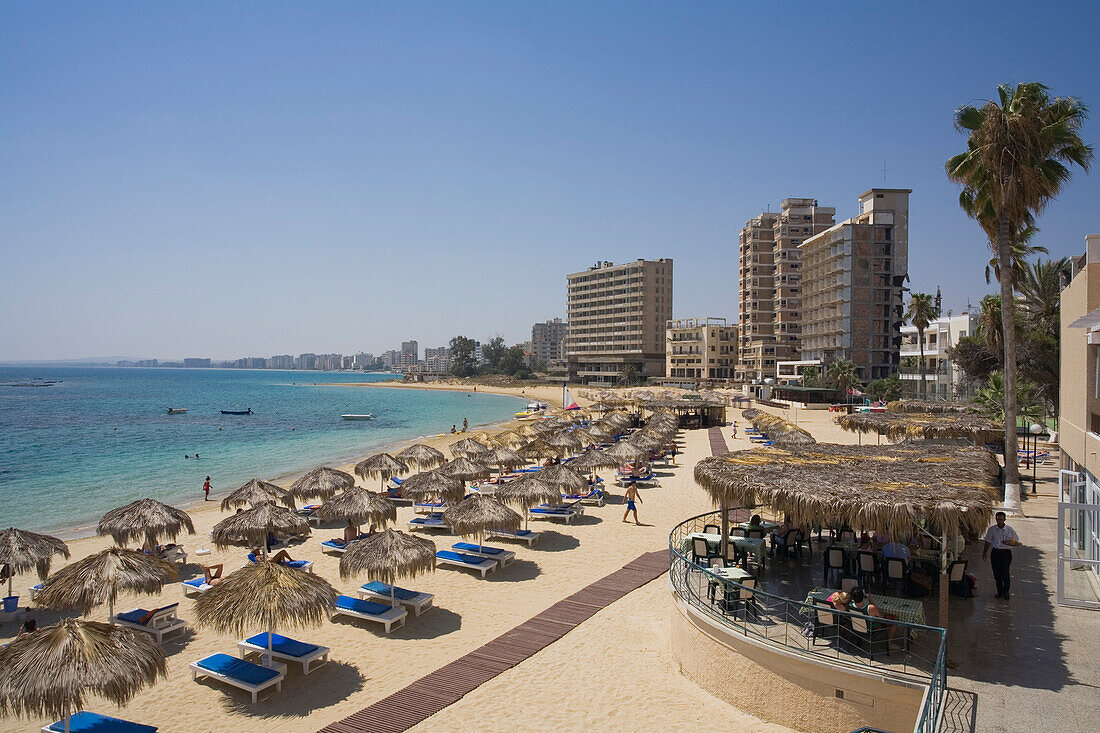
(146, 518)
(648, 440)
(382, 465)
(510, 439)
(49, 672)
(256, 491)
(98, 579)
(565, 440)
(750, 413)
(486, 438)
(432, 485)
(624, 451)
(479, 512)
(359, 506)
(468, 448)
(929, 407)
(564, 478)
(21, 550)
(539, 448)
(464, 469)
(601, 432)
(387, 556)
(926, 426)
(505, 459)
(252, 527)
(529, 430)
(421, 457)
(593, 460)
(321, 482)
(794, 439)
(527, 491)
(265, 595)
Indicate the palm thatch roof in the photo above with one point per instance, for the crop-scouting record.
(145, 518)
(387, 556)
(479, 512)
(422, 457)
(360, 506)
(48, 673)
(648, 440)
(255, 492)
(871, 487)
(433, 486)
(539, 448)
(794, 439)
(527, 491)
(504, 458)
(382, 465)
(750, 413)
(464, 469)
(624, 451)
(21, 550)
(923, 426)
(777, 427)
(565, 440)
(929, 407)
(469, 448)
(593, 460)
(99, 578)
(321, 482)
(528, 430)
(563, 477)
(510, 439)
(251, 528)
(265, 595)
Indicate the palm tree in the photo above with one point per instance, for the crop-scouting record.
(1018, 151)
(1040, 285)
(991, 400)
(922, 311)
(1022, 251)
(842, 373)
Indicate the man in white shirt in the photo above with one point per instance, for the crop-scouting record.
(998, 540)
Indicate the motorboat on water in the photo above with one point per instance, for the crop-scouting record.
(364, 416)
(176, 410)
(533, 410)
(238, 412)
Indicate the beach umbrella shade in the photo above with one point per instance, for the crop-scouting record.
(468, 448)
(255, 492)
(486, 438)
(382, 465)
(527, 491)
(99, 578)
(505, 459)
(593, 460)
(510, 439)
(479, 512)
(421, 457)
(750, 413)
(539, 448)
(48, 673)
(601, 432)
(265, 595)
(624, 451)
(360, 506)
(648, 441)
(21, 550)
(564, 478)
(252, 527)
(464, 469)
(145, 518)
(528, 431)
(794, 439)
(565, 440)
(431, 486)
(387, 556)
(321, 482)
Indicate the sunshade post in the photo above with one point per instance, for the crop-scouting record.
(267, 659)
(65, 715)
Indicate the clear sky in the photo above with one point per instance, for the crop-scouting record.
(234, 179)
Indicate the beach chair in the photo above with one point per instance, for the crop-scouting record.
(158, 622)
(523, 535)
(826, 622)
(542, 512)
(431, 521)
(173, 553)
(286, 649)
(241, 673)
(462, 560)
(382, 613)
(379, 592)
(334, 547)
(429, 507)
(866, 635)
(306, 565)
(88, 722)
(33, 590)
(195, 586)
(595, 497)
(504, 557)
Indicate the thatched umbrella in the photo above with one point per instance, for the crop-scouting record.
(464, 469)
(923, 426)
(252, 527)
(564, 478)
(601, 432)
(321, 482)
(566, 441)
(382, 465)
(489, 440)
(359, 506)
(528, 430)
(387, 556)
(649, 441)
(794, 439)
(21, 550)
(527, 491)
(265, 595)
(422, 457)
(593, 460)
(750, 413)
(98, 579)
(539, 448)
(479, 512)
(929, 407)
(468, 448)
(256, 491)
(49, 672)
(432, 486)
(624, 451)
(510, 439)
(505, 459)
(146, 518)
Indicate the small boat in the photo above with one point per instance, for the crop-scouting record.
(176, 410)
(238, 412)
(365, 416)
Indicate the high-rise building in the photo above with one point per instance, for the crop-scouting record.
(852, 278)
(437, 360)
(617, 316)
(700, 348)
(307, 361)
(281, 361)
(410, 350)
(548, 341)
(195, 362)
(770, 289)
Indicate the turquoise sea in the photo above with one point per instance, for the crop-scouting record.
(99, 438)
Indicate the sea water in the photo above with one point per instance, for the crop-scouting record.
(98, 438)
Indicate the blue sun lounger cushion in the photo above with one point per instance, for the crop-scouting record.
(287, 563)
(472, 547)
(376, 586)
(238, 669)
(86, 722)
(283, 645)
(360, 606)
(460, 557)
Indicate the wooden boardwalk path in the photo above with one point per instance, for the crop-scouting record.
(717, 442)
(433, 692)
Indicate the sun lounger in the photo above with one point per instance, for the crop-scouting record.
(173, 553)
(542, 512)
(88, 722)
(332, 546)
(380, 592)
(34, 590)
(461, 560)
(595, 497)
(432, 521)
(238, 672)
(286, 649)
(370, 611)
(195, 586)
(502, 556)
(429, 507)
(157, 622)
(650, 481)
(306, 565)
(524, 535)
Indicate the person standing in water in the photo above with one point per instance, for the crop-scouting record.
(206, 489)
(465, 425)
(631, 496)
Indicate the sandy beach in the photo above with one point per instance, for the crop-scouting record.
(616, 669)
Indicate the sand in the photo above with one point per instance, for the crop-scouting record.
(616, 669)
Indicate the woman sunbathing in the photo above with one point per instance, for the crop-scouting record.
(212, 574)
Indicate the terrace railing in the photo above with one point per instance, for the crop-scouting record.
(792, 624)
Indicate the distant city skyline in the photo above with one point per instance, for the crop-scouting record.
(248, 178)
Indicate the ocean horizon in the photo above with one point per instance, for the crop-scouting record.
(101, 437)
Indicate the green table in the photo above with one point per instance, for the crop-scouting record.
(905, 609)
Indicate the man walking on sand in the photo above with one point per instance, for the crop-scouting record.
(631, 496)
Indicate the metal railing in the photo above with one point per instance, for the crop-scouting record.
(795, 626)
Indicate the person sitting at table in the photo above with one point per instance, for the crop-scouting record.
(861, 603)
(755, 520)
(840, 600)
(781, 533)
(865, 541)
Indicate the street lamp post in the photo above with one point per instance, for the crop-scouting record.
(1035, 429)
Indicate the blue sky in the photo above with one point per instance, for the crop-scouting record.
(233, 179)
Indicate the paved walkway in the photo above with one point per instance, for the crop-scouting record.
(448, 684)
(718, 445)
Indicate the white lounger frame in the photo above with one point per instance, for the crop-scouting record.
(197, 671)
(485, 567)
(530, 539)
(504, 557)
(567, 516)
(398, 616)
(321, 653)
(164, 621)
(419, 603)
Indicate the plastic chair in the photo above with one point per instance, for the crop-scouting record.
(865, 632)
(896, 570)
(834, 563)
(711, 529)
(868, 567)
(826, 622)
